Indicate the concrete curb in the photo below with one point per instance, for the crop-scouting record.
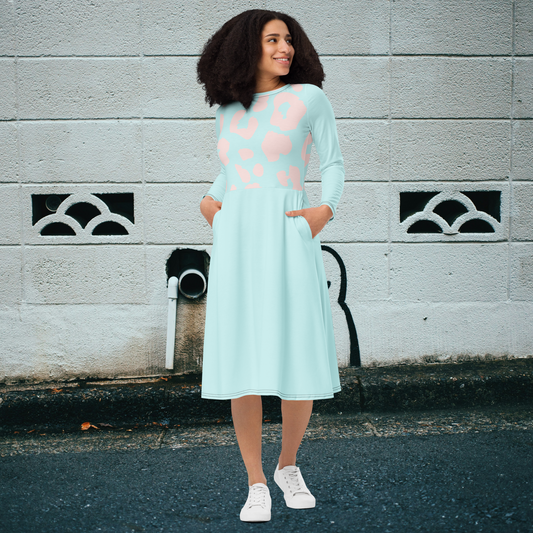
(173, 400)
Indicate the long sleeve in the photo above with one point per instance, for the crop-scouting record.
(218, 188)
(324, 132)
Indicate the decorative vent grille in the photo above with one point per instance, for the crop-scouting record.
(83, 214)
(450, 212)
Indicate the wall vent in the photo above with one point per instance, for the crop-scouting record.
(450, 212)
(83, 214)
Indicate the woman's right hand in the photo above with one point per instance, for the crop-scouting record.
(208, 207)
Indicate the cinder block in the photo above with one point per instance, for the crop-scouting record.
(172, 218)
(7, 29)
(521, 317)
(365, 31)
(458, 272)
(14, 361)
(407, 332)
(367, 271)
(450, 150)
(402, 219)
(477, 27)
(7, 89)
(61, 342)
(523, 88)
(167, 30)
(170, 89)
(521, 288)
(83, 227)
(444, 87)
(170, 30)
(365, 149)
(180, 150)
(172, 214)
(522, 212)
(79, 88)
(10, 276)
(8, 152)
(357, 87)
(75, 28)
(171, 150)
(361, 214)
(366, 280)
(84, 275)
(522, 150)
(523, 27)
(81, 151)
(10, 214)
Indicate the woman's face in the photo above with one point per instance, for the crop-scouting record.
(278, 52)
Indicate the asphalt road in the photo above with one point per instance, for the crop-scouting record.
(435, 471)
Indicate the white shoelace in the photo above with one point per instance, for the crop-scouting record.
(293, 478)
(258, 496)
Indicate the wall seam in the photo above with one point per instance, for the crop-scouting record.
(143, 167)
(19, 163)
(511, 150)
(389, 122)
(510, 199)
(352, 55)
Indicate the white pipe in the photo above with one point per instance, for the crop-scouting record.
(171, 321)
(190, 272)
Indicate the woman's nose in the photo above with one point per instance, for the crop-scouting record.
(283, 46)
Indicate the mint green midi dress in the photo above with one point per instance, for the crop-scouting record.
(268, 327)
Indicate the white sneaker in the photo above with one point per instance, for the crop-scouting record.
(258, 505)
(291, 482)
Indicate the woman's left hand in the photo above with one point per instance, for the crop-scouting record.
(317, 217)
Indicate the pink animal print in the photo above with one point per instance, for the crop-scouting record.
(221, 121)
(243, 173)
(275, 144)
(258, 170)
(294, 176)
(305, 156)
(253, 186)
(246, 153)
(233, 187)
(297, 87)
(295, 112)
(223, 146)
(261, 104)
(245, 133)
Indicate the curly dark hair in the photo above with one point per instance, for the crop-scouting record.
(227, 66)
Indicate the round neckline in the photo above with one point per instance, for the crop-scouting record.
(258, 95)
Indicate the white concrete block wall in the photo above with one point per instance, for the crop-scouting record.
(101, 98)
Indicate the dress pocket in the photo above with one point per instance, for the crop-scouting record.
(303, 227)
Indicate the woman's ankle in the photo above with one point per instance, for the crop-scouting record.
(254, 480)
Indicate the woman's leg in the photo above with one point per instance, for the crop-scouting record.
(247, 412)
(296, 415)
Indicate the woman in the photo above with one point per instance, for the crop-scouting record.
(268, 327)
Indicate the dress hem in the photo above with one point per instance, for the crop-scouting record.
(283, 396)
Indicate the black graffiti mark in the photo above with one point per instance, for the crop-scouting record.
(355, 354)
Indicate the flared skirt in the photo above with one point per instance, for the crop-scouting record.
(268, 328)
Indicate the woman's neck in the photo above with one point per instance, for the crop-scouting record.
(266, 85)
